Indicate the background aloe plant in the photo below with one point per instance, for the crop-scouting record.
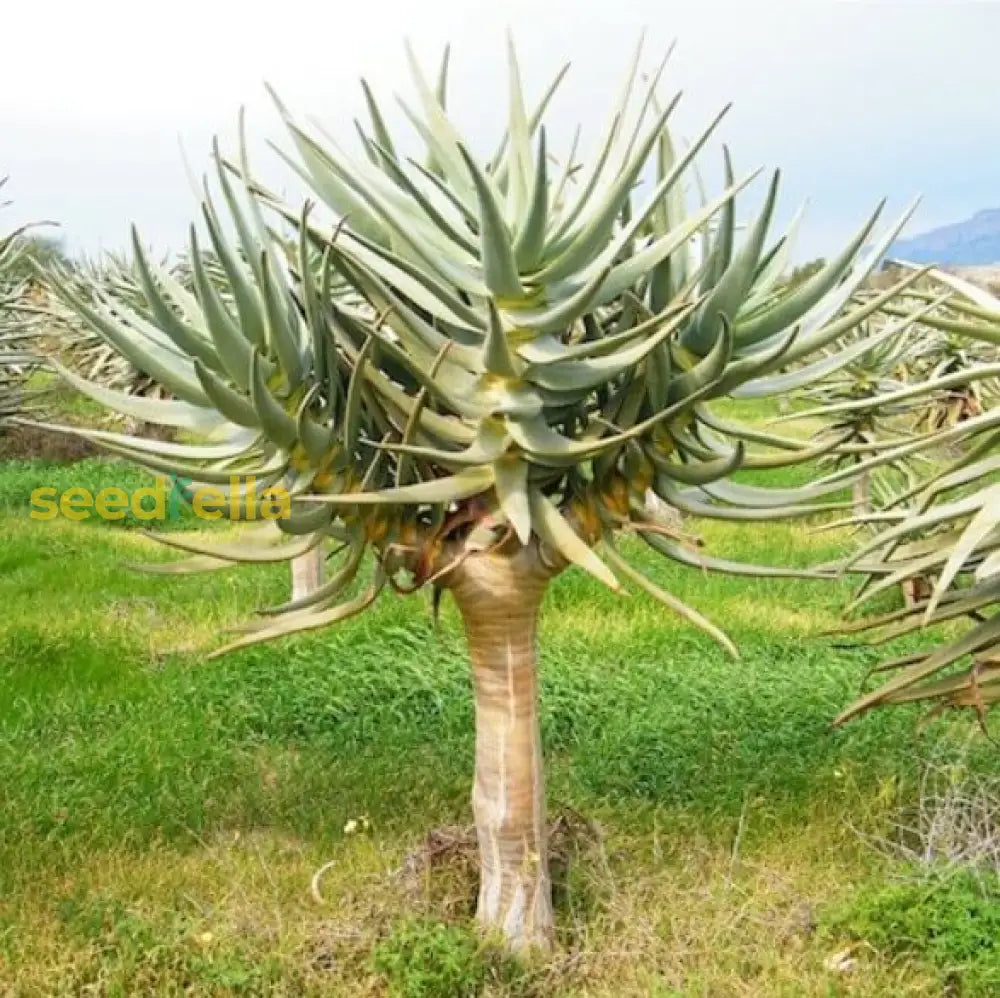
(469, 373)
(944, 526)
(76, 345)
(18, 331)
(851, 402)
(955, 337)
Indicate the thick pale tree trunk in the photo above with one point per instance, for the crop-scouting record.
(863, 494)
(499, 597)
(307, 572)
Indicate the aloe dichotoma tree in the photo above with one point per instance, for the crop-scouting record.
(856, 401)
(946, 526)
(951, 333)
(74, 344)
(17, 328)
(475, 369)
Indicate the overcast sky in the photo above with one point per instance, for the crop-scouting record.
(853, 100)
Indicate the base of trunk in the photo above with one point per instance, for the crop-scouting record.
(527, 923)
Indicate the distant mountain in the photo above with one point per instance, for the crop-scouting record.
(971, 243)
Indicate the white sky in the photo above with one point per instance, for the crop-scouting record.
(854, 100)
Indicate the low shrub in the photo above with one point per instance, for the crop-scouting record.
(427, 959)
(32, 442)
(948, 920)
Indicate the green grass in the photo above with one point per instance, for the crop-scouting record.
(20, 479)
(63, 403)
(950, 918)
(161, 816)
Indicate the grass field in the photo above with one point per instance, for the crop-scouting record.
(161, 816)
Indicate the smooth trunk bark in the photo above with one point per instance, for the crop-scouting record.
(863, 494)
(307, 572)
(499, 597)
